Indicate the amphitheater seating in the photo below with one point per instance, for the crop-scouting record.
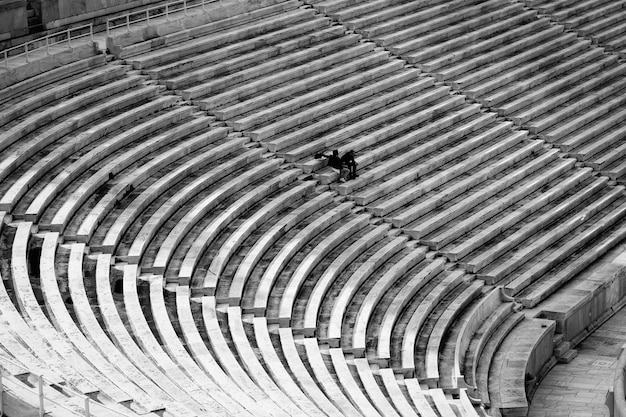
(208, 234)
(179, 354)
(511, 366)
(62, 320)
(10, 92)
(391, 315)
(300, 372)
(489, 140)
(233, 367)
(435, 346)
(95, 333)
(196, 399)
(40, 322)
(600, 21)
(260, 375)
(359, 276)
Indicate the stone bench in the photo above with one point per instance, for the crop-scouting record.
(570, 95)
(133, 210)
(203, 356)
(359, 276)
(370, 16)
(483, 139)
(281, 202)
(148, 45)
(31, 102)
(432, 373)
(373, 297)
(229, 214)
(515, 82)
(379, 143)
(455, 49)
(296, 403)
(198, 140)
(568, 119)
(97, 336)
(487, 331)
(476, 263)
(467, 121)
(16, 132)
(398, 305)
(516, 66)
(329, 244)
(381, 400)
(404, 31)
(244, 97)
(42, 166)
(282, 226)
(231, 84)
(196, 213)
(205, 158)
(525, 108)
(350, 385)
(119, 374)
(417, 319)
(196, 45)
(466, 117)
(231, 365)
(125, 341)
(480, 316)
(611, 225)
(442, 402)
(279, 372)
(418, 396)
(542, 242)
(272, 272)
(408, 218)
(10, 92)
(113, 167)
(101, 150)
(378, 128)
(40, 323)
(345, 92)
(518, 215)
(498, 53)
(331, 383)
(590, 141)
(299, 370)
(531, 184)
(239, 54)
(393, 105)
(193, 395)
(400, 400)
(216, 399)
(330, 274)
(523, 353)
(236, 85)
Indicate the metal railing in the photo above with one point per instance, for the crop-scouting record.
(60, 38)
(154, 12)
(88, 403)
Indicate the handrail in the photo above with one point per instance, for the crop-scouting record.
(45, 42)
(88, 403)
(126, 20)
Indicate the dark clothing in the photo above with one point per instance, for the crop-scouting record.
(334, 161)
(348, 161)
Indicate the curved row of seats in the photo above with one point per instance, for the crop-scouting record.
(248, 288)
(602, 21)
(522, 65)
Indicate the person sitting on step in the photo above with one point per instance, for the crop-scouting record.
(345, 166)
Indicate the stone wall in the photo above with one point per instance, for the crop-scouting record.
(13, 19)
